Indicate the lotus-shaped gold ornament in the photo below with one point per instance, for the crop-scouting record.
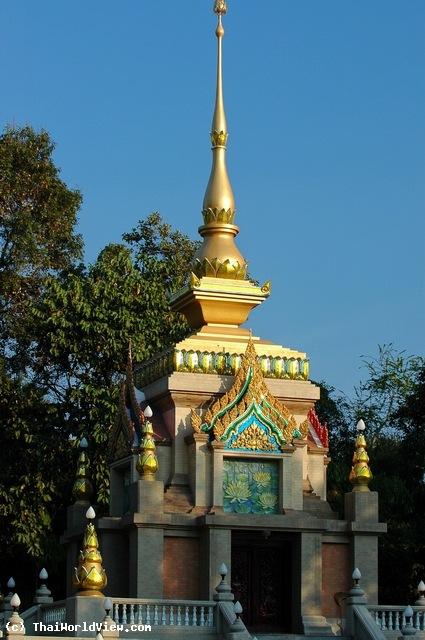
(90, 577)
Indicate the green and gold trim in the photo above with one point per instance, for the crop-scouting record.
(217, 362)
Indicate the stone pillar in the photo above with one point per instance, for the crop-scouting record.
(182, 429)
(146, 560)
(361, 508)
(297, 474)
(356, 597)
(107, 632)
(313, 621)
(15, 629)
(43, 594)
(200, 469)
(146, 539)
(83, 613)
(215, 549)
(5, 604)
(286, 493)
(147, 496)
(217, 476)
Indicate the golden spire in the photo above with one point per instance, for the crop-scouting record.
(147, 464)
(360, 474)
(218, 293)
(82, 489)
(219, 257)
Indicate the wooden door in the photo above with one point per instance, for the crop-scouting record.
(261, 579)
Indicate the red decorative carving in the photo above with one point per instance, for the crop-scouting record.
(321, 430)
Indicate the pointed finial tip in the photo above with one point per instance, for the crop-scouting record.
(220, 7)
(90, 513)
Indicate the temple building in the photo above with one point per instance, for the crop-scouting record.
(219, 457)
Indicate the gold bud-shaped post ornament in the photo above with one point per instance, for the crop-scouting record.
(147, 464)
(220, 7)
(360, 474)
(82, 489)
(90, 577)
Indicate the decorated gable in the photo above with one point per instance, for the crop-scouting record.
(248, 417)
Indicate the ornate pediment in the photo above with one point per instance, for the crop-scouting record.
(126, 432)
(248, 417)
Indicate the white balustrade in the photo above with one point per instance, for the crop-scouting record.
(163, 612)
(54, 614)
(391, 619)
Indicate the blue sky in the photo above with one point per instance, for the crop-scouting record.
(325, 105)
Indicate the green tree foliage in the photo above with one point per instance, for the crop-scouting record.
(410, 424)
(34, 453)
(87, 317)
(65, 329)
(391, 377)
(38, 214)
(162, 253)
(391, 401)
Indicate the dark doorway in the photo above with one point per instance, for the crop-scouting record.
(261, 579)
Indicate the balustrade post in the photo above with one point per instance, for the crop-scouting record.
(407, 629)
(356, 596)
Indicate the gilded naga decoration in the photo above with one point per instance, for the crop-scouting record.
(360, 474)
(90, 577)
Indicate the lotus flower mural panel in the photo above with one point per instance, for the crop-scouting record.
(250, 487)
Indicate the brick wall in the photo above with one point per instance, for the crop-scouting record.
(335, 577)
(181, 568)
